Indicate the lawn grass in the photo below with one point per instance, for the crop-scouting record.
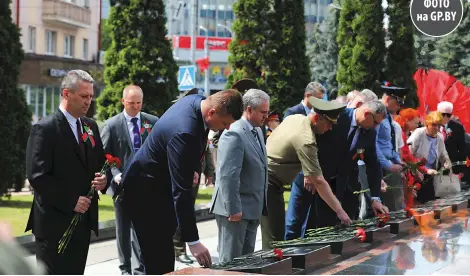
(15, 210)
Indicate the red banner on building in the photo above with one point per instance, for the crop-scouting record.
(215, 43)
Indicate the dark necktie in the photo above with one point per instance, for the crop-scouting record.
(255, 134)
(205, 144)
(392, 132)
(351, 136)
(81, 144)
(136, 139)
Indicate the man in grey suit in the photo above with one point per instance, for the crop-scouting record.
(238, 200)
(122, 136)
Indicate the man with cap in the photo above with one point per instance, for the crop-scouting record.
(300, 200)
(387, 153)
(352, 139)
(454, 135)
(292, 147)
(272, 122)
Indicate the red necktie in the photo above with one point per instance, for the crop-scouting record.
(443, 131)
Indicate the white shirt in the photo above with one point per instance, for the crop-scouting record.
(307, 110)
(130, 125)
(399, 143)
(72, 122)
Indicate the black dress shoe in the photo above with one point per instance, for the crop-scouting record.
(184, 259)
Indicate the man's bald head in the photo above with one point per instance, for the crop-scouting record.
(132, 98)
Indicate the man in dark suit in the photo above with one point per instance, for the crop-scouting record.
(454, 135)
(158, 181)
(354, 138)
(300, 200)
(122, 136)
(63, 157)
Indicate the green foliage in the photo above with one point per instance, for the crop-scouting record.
(13, 108)
(251, 29)
(425, 47)
(401, 58)
(453, 50)
(269, 47)
(289, 71)
(346, 39)
(323, 52)
(105, 35)
(139, 54)
(361, 40)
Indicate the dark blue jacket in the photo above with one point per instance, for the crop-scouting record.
(296, 109)
(168, 158)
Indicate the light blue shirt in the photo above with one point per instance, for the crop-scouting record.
(307, 110)
(385, 153)
(130, 125)
(72, 122)
(251, 127)
(432, 156)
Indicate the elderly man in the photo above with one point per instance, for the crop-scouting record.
(300, 200)
(240, 190)
(387, 151)
(352, 139)
(292, 147)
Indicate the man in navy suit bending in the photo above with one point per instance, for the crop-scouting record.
(158, 181)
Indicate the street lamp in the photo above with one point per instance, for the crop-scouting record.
(226, 28)
(207, 93)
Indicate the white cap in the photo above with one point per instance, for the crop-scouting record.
(445, 107)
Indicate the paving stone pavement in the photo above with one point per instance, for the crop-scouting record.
(103, 256)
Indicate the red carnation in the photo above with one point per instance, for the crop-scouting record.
(278, 253)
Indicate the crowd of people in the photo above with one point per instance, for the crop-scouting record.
(326, 151)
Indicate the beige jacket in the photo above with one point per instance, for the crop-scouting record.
(419, 146)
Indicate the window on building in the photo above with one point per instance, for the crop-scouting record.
(31, 39)
(85, 49)
(68, 45)
(51, 42)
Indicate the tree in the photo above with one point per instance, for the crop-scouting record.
(401, 58)
(425, 47)
(269, 47)
(140, 54)
(323, 52)
(246, 51)
(105, 35)
(346, 39)
(453, 50)
(288, 66)
(13, 108)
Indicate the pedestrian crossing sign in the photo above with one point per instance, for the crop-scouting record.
(186, 78)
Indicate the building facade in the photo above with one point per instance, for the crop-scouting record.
(57, 36)
(215, 16)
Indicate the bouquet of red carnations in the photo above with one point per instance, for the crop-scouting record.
(110, 162)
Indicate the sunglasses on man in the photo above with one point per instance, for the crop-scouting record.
(447, 115)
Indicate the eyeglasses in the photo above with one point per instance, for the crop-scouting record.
(376, 123)
(447, 114)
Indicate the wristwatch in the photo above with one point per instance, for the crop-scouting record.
(376, 199)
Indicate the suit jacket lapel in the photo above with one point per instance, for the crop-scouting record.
(70, 136)
(126, 132)
(145, 134)
(252, 139)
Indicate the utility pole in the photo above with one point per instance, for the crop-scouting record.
(194, 27)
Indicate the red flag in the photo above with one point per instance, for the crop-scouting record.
(203, 64)
(434, 86)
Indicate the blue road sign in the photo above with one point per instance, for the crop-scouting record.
(186, 77)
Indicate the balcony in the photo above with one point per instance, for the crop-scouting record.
(65, 14)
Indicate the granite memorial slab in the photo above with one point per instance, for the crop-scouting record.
(258, 265)
(205, 271)
(401, 227)
(302, 257)
(378, 234)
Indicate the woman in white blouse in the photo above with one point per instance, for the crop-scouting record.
(428, 143)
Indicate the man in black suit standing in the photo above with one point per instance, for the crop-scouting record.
(156, 187)
(63, 157)
(122, 136)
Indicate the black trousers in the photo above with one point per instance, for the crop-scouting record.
(179, 244)
(150, 207)
(73, 260)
